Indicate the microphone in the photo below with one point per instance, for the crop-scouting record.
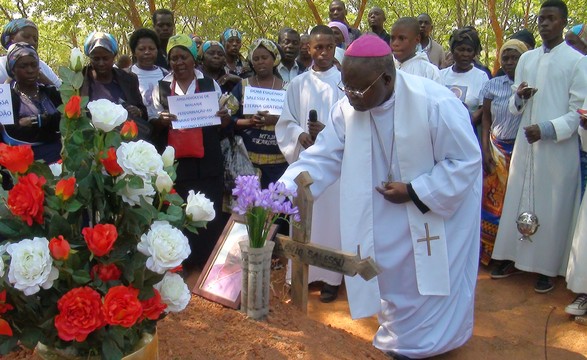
(313, 116)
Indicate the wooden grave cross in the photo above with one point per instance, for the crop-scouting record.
(302, 253)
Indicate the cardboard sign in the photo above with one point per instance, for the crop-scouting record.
(6, 115)
(194, 110)
(258, 99)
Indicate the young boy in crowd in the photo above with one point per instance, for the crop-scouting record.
(405, 37)
(316, 89)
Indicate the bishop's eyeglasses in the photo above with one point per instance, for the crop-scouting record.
(357, 93)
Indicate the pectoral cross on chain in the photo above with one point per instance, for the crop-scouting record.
(428, 238)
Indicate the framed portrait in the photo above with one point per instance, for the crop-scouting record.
(221, 278)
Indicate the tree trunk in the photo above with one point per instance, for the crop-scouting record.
(497, 30)
(360, 14)
(315, 12)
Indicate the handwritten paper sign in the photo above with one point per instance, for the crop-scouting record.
(257, 99)
(6, 115)
(194, 110)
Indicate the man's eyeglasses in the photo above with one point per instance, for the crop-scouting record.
(357, 93)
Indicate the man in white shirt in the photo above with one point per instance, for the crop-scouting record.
(289, 41)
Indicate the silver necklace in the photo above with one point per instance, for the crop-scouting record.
(259, 83)
(382, 147)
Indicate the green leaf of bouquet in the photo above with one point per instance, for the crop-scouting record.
(174, 215)
(110, 349)
(59, 226)
(135, 182)
(7, 344)
(113, 139)
(191, 228)
(66, 74)
(30, 337)
(13, 229)
(174, 199)
(81, 277)
(77, 80)
(66, 94)
(41, 169)
(73, 205)
(53, 202)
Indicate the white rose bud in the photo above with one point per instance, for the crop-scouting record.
(199, 208)
(107, 115)
(163, 182)
(2, 247)
(76, 60)
(168, 156)
(174, 292)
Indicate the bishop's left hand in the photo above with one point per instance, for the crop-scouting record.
(395, 192)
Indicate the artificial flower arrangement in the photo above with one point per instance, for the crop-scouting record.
(262, 207)
(89, 248)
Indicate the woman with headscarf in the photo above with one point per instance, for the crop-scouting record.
(201, 170)
(103, 81)
(498, 134)
(577, 38)
(144, 45)
(258, 130)
(36, 118)
(212, 56)
(341, 38)
(231, 39)
(463, 78)
(24, 30)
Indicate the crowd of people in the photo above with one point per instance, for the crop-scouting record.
(422, 158)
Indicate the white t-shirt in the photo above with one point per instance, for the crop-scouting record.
(149, 80)
(466, 86)
(44, 68)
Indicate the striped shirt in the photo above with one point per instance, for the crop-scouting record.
(504, 125)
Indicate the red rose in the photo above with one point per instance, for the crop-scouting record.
(73, 108)
(16, 159)
(129, 130)
(59, 248)
(122, 306)
(80, 313)
(26, 198)
(65, 188)
(100, 238)
(5, 328)
(109, 161)
(4, 306)
(153, 307)
(105, 272)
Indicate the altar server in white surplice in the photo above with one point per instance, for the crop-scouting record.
(410, 176)
(548, 134)
(316, 89)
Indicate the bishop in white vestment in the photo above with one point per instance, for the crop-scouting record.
(421, 226)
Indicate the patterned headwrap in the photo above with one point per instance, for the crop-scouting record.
(466, 35)
(13, 27)
(206, 46)
(183, 41)
(513, 44)
(267, 44)
(343, 29)
(581, 31)
(17, 51)
(228, 33)
(100, 39)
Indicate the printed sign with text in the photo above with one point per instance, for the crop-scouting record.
(258, 99)
(6, 116)
(194, 110)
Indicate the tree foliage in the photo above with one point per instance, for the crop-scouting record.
(65, 23)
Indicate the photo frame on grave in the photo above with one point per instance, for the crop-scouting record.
(221, 278)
